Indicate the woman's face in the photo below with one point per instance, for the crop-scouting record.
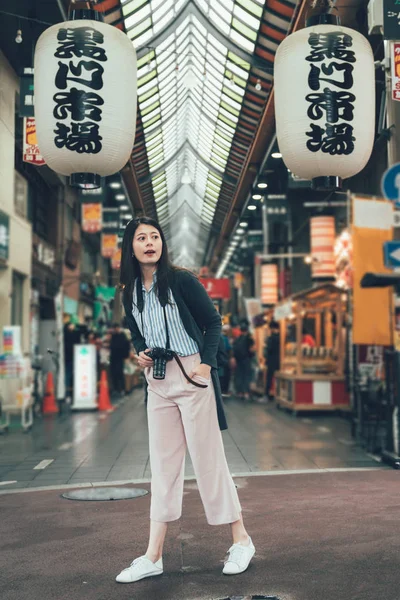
(147, 245)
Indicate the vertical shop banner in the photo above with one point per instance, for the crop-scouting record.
(31, 153)
(109, 244)
(371, 228)
(59, 308)
(109, 237)
(395, 65)
(91, 217)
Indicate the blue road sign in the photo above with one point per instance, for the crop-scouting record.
(390, 184)
(391, 251)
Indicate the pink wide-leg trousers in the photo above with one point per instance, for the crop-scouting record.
(181, 416)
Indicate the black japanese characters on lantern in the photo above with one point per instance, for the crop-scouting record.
(80, 106)
(331, 103)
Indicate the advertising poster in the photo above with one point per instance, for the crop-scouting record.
(395, 71)
(109, 244)
(31, 152)
(91, 217)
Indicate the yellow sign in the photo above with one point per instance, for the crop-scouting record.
(91, 217)
(109, 243)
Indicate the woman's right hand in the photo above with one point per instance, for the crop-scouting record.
(144, 360)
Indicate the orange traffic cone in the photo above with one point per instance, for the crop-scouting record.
(49, 401)
(104, 395)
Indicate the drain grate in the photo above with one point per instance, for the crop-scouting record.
(104, 493)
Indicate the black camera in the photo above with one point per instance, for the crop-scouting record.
(160, 356)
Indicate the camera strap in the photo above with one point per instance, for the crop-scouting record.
(175, 355)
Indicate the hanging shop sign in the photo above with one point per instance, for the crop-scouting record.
(109, 244)
(395, 66)
(26, 98)
(217, 289)
(4, 236)
(322, 77)
(85, 105)
(390, 184)
(91, 217)
(391, 20)
(31, 153)
(116, 259)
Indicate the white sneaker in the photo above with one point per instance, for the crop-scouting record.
(239, 558)
(139, 569)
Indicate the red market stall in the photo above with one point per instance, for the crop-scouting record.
(312, 346)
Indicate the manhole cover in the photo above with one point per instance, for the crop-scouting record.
(250, 598)
(105, 493)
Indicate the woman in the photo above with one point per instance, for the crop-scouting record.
(166, 307)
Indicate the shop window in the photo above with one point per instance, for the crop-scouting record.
(17, 298)
(20, 195)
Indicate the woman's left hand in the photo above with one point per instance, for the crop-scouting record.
(202, 370)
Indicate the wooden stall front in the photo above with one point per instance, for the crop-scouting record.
(312, 347)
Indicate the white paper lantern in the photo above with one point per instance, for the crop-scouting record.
(85, 98)
(325, 102)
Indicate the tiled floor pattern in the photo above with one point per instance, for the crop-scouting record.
(93, 447)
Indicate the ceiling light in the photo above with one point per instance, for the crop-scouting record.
(243, 224)
(115, 185)
(252, 207)
(120, 197)
(18, 38)
(262, 185)
(124, 207)
(256, 196)
(232, 81)
(240, 230)
(258, 86)
(276, 155)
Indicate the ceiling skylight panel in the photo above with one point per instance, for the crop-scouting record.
(165, 74)
(146, 78)
(179, 4)
(151, 112)
(155, 4)
(152, 92)
(245, 17)
(232, 118)
(151, 105)
(166, 60)
(146, 87)
(222, 24)
(140, 28)
(138, 16)
(238, 72)
(242, 41)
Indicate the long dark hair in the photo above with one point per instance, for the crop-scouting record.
(130, 268)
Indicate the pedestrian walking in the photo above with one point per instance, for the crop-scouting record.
(176, 332)
(244, 352)
(119, 351)
(224, 367)
(272, 357)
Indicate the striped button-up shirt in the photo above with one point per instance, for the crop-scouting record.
(151, 323)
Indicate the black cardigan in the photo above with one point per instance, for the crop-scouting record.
(201, 321)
